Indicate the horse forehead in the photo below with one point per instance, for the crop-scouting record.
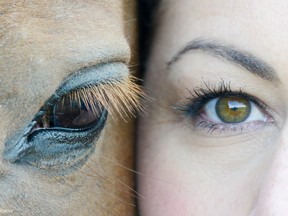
(60, 9)
(73, 25)
(53, 38)
(57, 12)
(42, 42)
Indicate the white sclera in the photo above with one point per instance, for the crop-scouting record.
(210, 112)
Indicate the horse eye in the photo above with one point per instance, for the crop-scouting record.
(62, 134)
(70, 113)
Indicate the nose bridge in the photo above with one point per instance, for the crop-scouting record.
(273, 196)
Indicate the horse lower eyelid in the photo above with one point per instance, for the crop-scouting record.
(49, 149)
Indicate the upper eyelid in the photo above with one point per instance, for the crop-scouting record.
(92, 76)
(86, 77)
(110, 84)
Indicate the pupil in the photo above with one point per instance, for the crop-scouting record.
(233, 109)
(68, 113)
(236, 104)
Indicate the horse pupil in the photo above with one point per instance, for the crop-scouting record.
(71, 114)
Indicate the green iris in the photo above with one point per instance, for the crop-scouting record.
(233, 109)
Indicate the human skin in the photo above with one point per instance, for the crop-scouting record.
(190, 170)
(42, 44)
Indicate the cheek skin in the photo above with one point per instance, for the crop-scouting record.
(164, 190)
(162, 196)
(165, 200)
(182, 176)
(161, 186)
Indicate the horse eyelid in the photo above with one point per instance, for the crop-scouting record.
(110, 85)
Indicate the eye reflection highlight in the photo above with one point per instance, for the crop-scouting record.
(233, 109)
(74, 114)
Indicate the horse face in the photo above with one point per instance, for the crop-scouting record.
(61, 60)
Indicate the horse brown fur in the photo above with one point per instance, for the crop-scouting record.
(41, 43)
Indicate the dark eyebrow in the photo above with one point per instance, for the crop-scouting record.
(241, 58)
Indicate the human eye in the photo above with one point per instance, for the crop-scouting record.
(64, 132)
(220, 109)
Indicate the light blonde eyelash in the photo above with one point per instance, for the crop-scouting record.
(120, 97)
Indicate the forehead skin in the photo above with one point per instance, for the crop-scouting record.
(41, 43)
(256, 27)
(187, 180)
(237, 23)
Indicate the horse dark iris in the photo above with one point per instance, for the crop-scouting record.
(69, 113)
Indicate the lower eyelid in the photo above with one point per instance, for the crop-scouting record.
(257, 120)
(224, 128)
(256, 113)
(56, 150)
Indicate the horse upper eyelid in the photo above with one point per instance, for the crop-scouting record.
(109, 84)
(92, 76)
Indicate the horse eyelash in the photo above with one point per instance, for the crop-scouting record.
(121, 98)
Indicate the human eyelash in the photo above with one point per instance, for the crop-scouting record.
(200, 96)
